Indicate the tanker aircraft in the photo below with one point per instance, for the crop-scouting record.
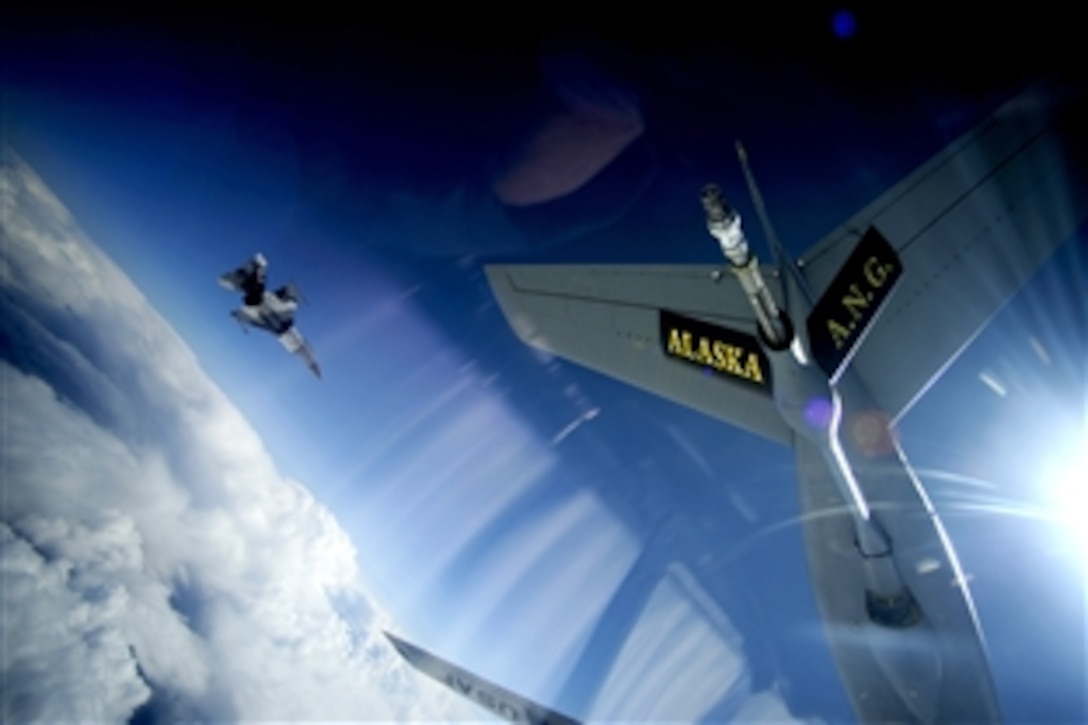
(825, 354)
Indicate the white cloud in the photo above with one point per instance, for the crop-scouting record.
(63, 645)
(152, 555)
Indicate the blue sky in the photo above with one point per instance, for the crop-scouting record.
(491, 530)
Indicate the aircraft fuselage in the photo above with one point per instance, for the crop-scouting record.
(272, 314)
(887, 579)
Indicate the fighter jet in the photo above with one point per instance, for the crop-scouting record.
(272, 311)
(824, 354)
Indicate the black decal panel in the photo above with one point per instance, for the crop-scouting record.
(721, 351)
(852, 301)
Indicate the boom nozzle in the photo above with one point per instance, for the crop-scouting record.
(723, 223)
(717, 208)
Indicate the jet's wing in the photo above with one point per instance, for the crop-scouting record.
(247, 320)
(294, 343)
(502, 702)
(236, 278)
(969, 227)
(685, 332)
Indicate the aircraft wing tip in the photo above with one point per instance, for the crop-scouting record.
(399, 645)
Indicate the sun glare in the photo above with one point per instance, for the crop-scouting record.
(1064, 480)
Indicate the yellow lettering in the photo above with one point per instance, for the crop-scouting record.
(751, 368)
(717, 354)
(704, 356)
(675, 345)
(839, 334)
(856, 300)
(876, 273)
(733, 361)
(727, 359)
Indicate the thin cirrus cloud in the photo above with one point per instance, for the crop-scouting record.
(155, 564)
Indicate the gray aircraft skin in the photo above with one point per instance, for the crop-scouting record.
(272, 311)
(824, 355)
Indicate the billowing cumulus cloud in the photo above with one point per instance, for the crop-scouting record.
(155, 564)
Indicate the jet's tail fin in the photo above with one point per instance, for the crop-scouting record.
(290, 292)
(500, 701)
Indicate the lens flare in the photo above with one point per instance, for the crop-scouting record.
(871, 431)
(844, 24)
(818, 413)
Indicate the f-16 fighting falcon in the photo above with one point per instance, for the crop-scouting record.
(824, 354)
(272, 311)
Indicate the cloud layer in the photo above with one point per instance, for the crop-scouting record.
(154, 561)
